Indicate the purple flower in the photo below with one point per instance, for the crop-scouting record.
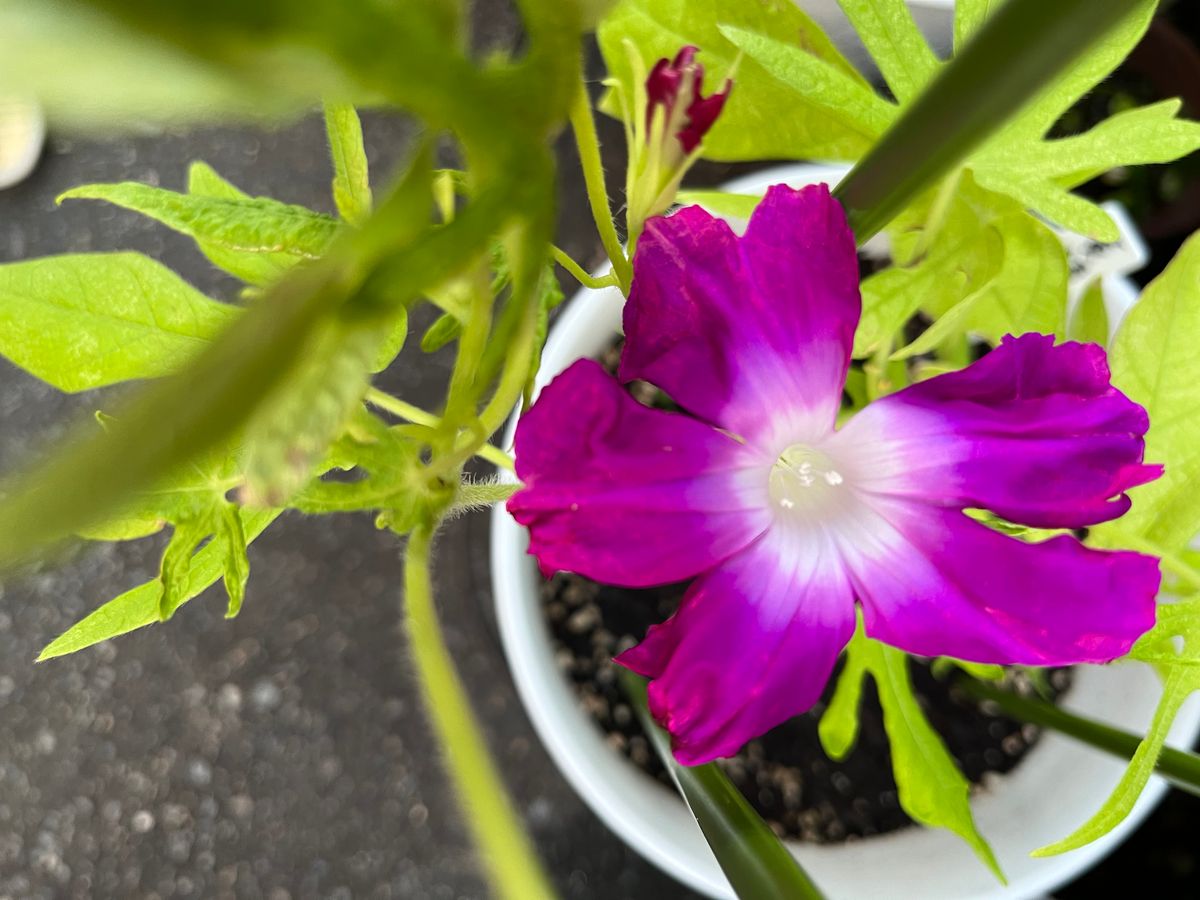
(674, 87)
(787, 522)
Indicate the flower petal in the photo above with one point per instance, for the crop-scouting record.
(750, 333)
(933, 582)
(1034, 432)
(629, 495)
(752, 645)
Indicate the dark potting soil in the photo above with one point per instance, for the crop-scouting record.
(785, 774)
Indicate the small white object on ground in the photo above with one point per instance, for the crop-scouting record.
(22, 133)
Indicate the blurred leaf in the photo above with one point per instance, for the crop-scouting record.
(754, 860)
(1154, 360)
(253, 267)
(294, 427)
(445, 328)
(968, 16)
(87, 320)
(1089, 323)
(890, 35)
(762, 119)
(351, 184)
(253, 225)
(92, 72)
(138, 607)
(393, 344)
(550, 295)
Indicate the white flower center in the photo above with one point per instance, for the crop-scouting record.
(806, 485)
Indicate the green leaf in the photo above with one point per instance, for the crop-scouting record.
(986, 115)
(1179, 686)
(232, 536)
(393, 344)
(88, 320)
(1089, 322)
(445, 328)
(952, 322)
(1010, 266)
(1154, 361)
(754, 860)
(1140, 136)
(894, 42)
(836, 95)
(393, 484)
(969, 15)
(351, 185)
(175, 572)
(256, 225)
(838, 728)
(139, 607)
(251, 266)
(1085, 73)
(762, 119)
(721, 203)
(932, 789)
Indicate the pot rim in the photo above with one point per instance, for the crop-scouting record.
(1011, 812)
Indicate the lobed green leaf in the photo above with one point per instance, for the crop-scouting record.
(139, 607)
(892, 38)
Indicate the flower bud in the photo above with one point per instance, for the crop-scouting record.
(674, 87)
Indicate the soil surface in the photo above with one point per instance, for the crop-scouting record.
(785, 775)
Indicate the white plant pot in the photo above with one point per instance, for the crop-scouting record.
(1056, 787)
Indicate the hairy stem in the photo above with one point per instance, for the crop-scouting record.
(584, 127)
(580, 274)
(512, 867)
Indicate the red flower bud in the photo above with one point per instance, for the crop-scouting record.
(675, 87)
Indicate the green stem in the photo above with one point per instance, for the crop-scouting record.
(584, 127)
(1026, 45)
(411, 413)
(751, 856)
(513, 868)
(1179, 767)
(580, 274)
